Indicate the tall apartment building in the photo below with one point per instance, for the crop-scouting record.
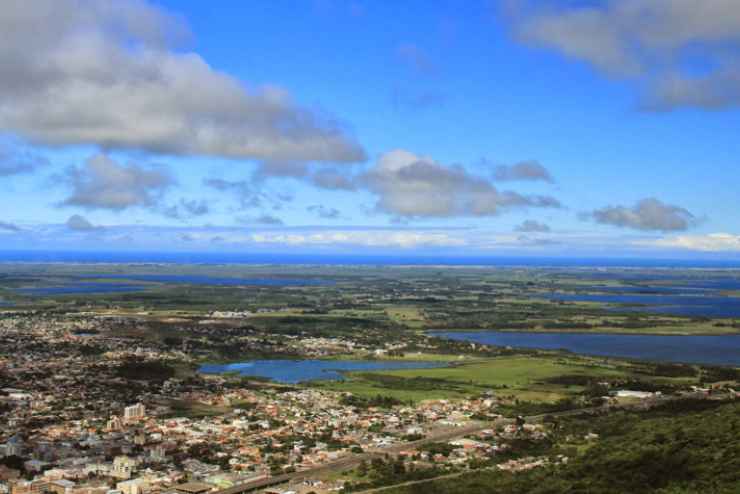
(134, 412)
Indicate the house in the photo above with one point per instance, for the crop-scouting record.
(133, 486)
(123, 467)
(61, 486)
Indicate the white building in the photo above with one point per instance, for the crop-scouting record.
(123, 467)
(134, 412)
(134, 486)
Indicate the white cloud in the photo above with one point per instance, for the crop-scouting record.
(409, 185)
(97, 72)
(354, 239)
(713, 242)
(102, 183)
(646, 214)
(374, 238)
(683, 51)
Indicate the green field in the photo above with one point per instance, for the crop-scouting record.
(409, 316)
(520, 377)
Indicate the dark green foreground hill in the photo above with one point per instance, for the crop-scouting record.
(691, 447)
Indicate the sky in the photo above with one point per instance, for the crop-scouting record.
(479, 128)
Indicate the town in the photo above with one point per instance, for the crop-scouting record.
(87, 408)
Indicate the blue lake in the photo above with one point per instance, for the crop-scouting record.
(716, 284)
(80, 288)
(681, 305)
(94, 287)
(217, 281)
(295, 371)
(719, 350)
(648, 290)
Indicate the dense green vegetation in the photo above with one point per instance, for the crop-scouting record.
(682, 447)
(148, 370)
(373, 401)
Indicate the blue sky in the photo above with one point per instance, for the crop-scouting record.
(475, 128)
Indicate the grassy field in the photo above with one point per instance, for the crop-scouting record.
(520, 377)
(409, 316)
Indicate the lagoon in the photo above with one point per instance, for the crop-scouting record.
(679, 305)
(127, 283)
(295, 371)
(717, 350)
(190, 279)
(80, 288)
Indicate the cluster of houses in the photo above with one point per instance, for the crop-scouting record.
(266, 433)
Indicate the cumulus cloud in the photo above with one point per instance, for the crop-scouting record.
(102, 183)
(532, 226)
(714, 242)
(80, 224)
(523, 171)
(715, 92)
(81, 72)
(324, 212)
(647, 214)
(15, 160)
(659, 43)
(408, 185)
